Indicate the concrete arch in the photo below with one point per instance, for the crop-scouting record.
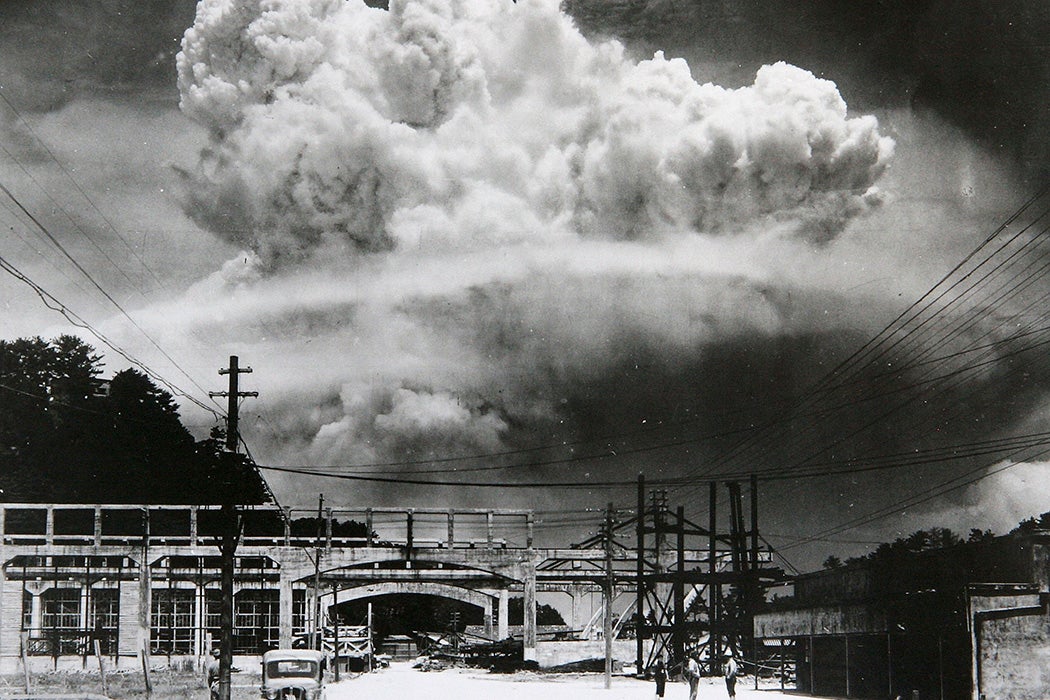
(443, 590)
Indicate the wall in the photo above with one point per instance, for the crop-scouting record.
(1012, 648)
(820, 620)
(551, 654)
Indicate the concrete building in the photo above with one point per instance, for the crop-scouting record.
(970, 621)
(143, 580)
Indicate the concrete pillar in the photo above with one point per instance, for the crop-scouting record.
(489, 612)
(530, 613)
(200, 602)
(284, 610)
(145, 600)
(85, 606)
(503, 630)
(10, 641)
(36, 611)
(128, 627)
(576, 592)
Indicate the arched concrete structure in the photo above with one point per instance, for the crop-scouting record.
(443, 590)
(481, 599)
(124, 563)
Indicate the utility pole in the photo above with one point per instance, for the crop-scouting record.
(231, 523)
(607, 627)
(641, 626)
(318, 632)
(232, 423)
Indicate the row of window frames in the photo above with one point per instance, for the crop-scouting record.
(171, 608)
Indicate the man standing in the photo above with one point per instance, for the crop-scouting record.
(730, 673)
(660, 676)
(692, 674)
(212, 672)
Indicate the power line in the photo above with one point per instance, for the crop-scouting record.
(846, 374)
(464, 484)
(51, 302)
(99, 287)
(75, 224)
(78, 188)
(923, 497)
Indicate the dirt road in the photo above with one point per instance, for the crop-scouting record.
(402, 682)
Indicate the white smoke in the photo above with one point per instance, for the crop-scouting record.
(482, 212)
(1009, 493)
(456, 123)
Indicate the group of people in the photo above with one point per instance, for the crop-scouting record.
(691, 672)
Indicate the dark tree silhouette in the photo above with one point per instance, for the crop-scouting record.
(67, 437)
(832, 562)
(545, 614)
(1033, 524)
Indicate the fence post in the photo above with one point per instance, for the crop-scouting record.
(101, 667)
(145, 670)
(25, 659)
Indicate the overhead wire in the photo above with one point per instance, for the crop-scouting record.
(945, 487)
(101, 290)
(91, 239)
(408, 481)
(824, 386)
(80, 409)
(53, 303)
(51, 263)
(76, 185)
(608, 453)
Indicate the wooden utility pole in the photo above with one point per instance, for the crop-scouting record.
(231, 530)
(232, 422)
(607, 627)
(318, 630)
(639, 606)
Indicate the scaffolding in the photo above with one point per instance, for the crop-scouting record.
(698, 605)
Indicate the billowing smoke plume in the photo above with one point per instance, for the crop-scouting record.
(479, 230)
(447, 123)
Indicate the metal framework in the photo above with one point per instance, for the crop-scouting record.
(705, 604)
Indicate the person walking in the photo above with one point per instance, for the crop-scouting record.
(660, 676)
(731, 671)
(692, 674)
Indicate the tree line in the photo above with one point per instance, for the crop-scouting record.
(935, 538)
(68, 436)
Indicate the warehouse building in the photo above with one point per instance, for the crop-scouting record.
(969, 621)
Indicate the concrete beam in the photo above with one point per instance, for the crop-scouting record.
(371, 590)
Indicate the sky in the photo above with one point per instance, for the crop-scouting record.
(523, 243)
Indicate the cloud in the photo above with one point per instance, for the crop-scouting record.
(344, 125)
(1009, 493)
(468, 230)
(981, 70)
(59, 51)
